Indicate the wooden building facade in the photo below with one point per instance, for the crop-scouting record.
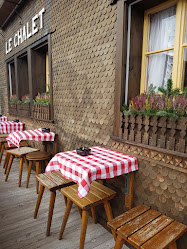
(91, 57)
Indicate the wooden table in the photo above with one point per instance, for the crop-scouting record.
(101, 164)
(33, 135)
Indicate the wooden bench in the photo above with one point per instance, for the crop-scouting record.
(98, 194)
(146, 228)
(52, 181)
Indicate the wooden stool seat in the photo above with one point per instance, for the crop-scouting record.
(37, 157)
(146, 228)
(21, 153)
(98, 194)
(52, 181)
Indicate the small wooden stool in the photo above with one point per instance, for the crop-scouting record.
(2, 144)
(52, 181)
(7, 157)
(146, 228)
(21, 153)
(98, 194)
(37, 157)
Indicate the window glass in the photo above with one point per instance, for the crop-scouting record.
(162, 29)
(159, 69)
(184, 78)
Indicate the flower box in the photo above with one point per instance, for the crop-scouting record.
(13, 108)
(160, 132)
(41, 111)
(23, 109)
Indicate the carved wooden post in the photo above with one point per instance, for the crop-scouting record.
(181, 147)
(126, 132)
(132, 127)
(146, 133)
(172, 138)
(153, 140)
(139, 121)
(163, 132)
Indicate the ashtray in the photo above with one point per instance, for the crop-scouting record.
(1, 115)
(45, 129)
(83, 151)
(16, 120)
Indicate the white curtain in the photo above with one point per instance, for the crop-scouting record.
(162, 35)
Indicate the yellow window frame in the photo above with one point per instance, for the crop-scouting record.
(178, 43)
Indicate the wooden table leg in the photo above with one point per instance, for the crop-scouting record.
(129, 184)
(94, 217)
(66, 215)
(173, 245)
(50, 215)
(109, 215)
(9, 167)
(25, 160)
(37, 173)
(6, 160)
(2, 150)
(20, 170)
(119, 243)
(39, 200)
(85, 214)
(56, 144)
(29, 172)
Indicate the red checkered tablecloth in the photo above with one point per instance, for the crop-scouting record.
(101, 164)
(35, 135)
(10, 126)
(3, 118)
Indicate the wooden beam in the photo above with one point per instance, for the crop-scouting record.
(120, 67)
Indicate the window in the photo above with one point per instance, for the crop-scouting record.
(22, 76)
(29, 79)
(164, 53)
(11, 78)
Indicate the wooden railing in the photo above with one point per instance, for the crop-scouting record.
(156, 131)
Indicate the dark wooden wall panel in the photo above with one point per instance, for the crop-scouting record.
(22, 70)
(135, 50)
(13, 78)
(38, 67)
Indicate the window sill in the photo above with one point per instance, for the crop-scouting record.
(33, 118)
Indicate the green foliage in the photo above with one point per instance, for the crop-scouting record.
(185, 89)
(159, 105)
(168, 91)
(42, 99)
(13, 99)
(24, 100)
(151, 89)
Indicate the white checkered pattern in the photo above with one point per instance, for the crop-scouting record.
(35, 135)
(101, 164)
(3, 119)
(10, 126)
